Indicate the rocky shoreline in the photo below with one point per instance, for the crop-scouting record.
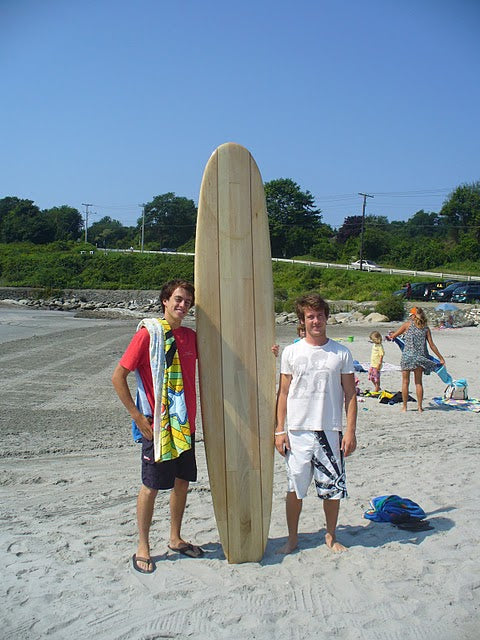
(128, 303)
(139, 303)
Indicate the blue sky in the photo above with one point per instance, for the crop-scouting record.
(112, 102)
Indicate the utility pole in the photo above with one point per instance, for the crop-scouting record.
(365, 196)
(143, 224)
(84, 204)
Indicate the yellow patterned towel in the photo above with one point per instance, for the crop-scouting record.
(171, 429)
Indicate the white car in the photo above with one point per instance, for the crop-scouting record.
(368, 265)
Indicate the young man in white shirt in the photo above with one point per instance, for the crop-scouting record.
(316, 382)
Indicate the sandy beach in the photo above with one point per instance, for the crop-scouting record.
(70, 476)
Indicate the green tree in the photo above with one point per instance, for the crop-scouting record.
(350, 249)
(424, 224)
(169, 220)
(399, 253)
(293, 219)
(426, 254)
(325, 250)
(351, 228)
(467, 248)
(461, 210)
(107, 232)
(6, 205)
(66, 222)
(24, 222)
(376, 243)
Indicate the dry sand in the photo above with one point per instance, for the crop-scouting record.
(70, 475)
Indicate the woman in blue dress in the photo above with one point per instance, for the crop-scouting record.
(416, 335)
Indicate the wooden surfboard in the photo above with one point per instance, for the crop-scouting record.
(234, 312)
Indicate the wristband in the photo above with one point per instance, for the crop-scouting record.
(280, 433)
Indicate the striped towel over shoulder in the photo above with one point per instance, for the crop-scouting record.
(171, 429)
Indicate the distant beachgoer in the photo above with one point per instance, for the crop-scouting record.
(414, 355)
(408, 291)
(376, 359)
(448, 323)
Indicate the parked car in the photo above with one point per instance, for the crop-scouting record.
(443, 295)
(367, 265)
(468, 293)
(421, 290)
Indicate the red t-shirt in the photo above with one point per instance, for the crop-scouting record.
(137, 356)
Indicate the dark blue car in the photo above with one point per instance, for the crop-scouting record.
(468, 293)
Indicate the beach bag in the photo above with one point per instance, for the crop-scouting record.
(457, 390)
(394, 509)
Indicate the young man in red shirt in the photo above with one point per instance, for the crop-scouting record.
(177, 298)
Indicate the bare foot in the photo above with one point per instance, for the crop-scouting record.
(333, 544)
(404, 409)
(420, 410)
(288, 547)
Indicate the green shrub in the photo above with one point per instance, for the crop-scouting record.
(289, 305)
(278, 306)
(391, 307)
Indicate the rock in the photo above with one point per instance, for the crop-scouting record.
(375, 317)
(343, 317)
(357, 316)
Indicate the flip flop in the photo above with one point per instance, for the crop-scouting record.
(415, 525)
(148, 561)
(189, 550)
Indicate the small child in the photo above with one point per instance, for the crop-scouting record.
(300, 332)
(376, 359)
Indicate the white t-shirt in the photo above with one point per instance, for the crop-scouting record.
(315, 397)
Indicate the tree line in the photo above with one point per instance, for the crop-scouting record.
(425, 241)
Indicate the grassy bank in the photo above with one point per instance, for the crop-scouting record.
(62, 266)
